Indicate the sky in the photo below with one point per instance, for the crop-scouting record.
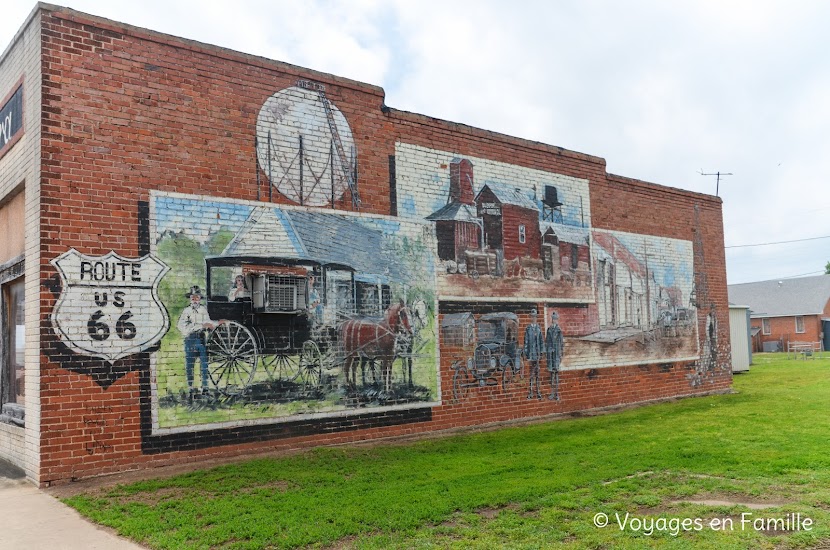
(662, 90)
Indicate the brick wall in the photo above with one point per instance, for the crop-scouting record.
(149, 148)
(783, 329)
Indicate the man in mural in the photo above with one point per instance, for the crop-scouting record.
(533, 346)
(554, 344)
(315, 304)
(193, 321)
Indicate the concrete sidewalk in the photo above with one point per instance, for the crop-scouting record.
(33, 519)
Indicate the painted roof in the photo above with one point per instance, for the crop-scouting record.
(318, 236)
(567, 233)
(455, 211)
(508, 194)
(783, 297)
(456, 319)
(499, 316)
(266, 232)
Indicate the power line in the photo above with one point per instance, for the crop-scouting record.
(778, 242)
(802, 274)
(782, 278)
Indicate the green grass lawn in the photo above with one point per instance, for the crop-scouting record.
(536, 486)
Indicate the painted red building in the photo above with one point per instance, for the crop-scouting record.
(511, 221)
(457, 228)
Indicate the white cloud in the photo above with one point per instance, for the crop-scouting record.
(659, 89)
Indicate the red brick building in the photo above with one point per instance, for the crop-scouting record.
(785, 311)
(171, 208)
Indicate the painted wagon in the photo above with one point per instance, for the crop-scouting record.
(496, 358)
(270, 324)
(281, 297)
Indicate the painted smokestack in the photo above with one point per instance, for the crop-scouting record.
(461, 181)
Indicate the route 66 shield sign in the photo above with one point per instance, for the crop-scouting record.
(109, 306)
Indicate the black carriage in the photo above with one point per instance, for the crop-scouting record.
(496, 358)
(282, 321)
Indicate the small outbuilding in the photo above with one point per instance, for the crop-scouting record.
(740, 338)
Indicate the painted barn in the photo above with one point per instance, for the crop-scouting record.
(511, 221)
(457, 228)
(566, 252)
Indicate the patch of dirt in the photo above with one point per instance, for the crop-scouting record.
(153, 498)
(342, 544)
(279, 486)
(453, 521)
(744, 503)
(632, 476)
(721, 499)
(100, 485)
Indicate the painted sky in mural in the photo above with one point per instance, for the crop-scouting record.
(285, 312)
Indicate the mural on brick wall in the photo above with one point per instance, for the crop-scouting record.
(501, 229)
(289, 312)
(506, 232)
(644, 309)
(490, 349)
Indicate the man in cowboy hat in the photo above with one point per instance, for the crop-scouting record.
(193, 321)
(554, 342)
(533, 346)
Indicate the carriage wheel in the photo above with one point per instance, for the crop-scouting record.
(281, 366)
(310, 371)
(460, 383)
(507, 375)
(232, 357)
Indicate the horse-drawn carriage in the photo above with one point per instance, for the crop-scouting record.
(299, 321)
(496, 359)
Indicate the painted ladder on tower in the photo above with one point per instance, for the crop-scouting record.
(341, 154)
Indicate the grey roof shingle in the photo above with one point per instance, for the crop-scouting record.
(783, 297)
(455, 211)
(507, 194)
(567, 233)
(322, 237)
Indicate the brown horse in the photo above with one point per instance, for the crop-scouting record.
(368, 339)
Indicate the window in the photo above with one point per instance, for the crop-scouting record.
(574, 256)
(765, 328)
(799, 325)
(13, 326)
(522, 234)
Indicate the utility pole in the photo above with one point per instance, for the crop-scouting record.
(717, 183)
